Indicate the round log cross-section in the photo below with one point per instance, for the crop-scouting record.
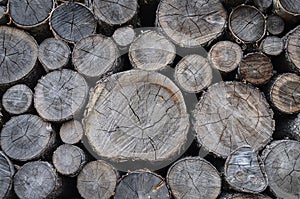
(275, 24)
(7, 172)
(292, 47)
(232, 114)
(191, 23)
(71, 132)
(272, 45)
(137, 119)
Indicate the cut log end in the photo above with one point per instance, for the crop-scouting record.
(71, 132)
(272, 46)
(124, 36)
(243, 196)
(263, 5)
(293, 48)
(6, 175)
(275, 24)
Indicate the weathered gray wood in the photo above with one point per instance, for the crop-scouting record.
(124, 36)
(275, 24)
(72, 22)
(36, 180)
(285, 93)
(263, 5)
(95, 55)
(7, 172)
(3, 15)
(243, 196)
(191, 23)
(193, 73)
(232, 114)
(136, 119)
(244, 171)
(26, 137)
(288, 9)
(282, 165)
(256, 68)
(97, 180)
(151, 51)
(272, 46)
(289, 127)
(194, 177)
(247, 24)
(54, 54)
(142, 184)
(114, 12)
(60, 95)
(225, 56)
(71, 132)
(68, 159)
(292, 47)
(18, 55)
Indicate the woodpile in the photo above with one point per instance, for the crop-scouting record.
(131, 99)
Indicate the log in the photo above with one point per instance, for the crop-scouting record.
(18, 56)
(151, 51)
(191, 23)
(97, 179)
(232, 114)
(289, 127)
(3, 2)
(282, 165)
(225, 56)
(136, 119)
(292, 48)
(72, 21)
(275, 24)
(17, 99)
(95, 55)
(124, 36)
(193, 73)
(194, 177)
(244, 171)
(36, 180)
(243, 196)
(256, 68)
(3, 15)
(7, 172)
(71, 132)
(54, 54)
(27, 137)
(247, 24)
(68, 159)
(272, 46)
(60, 95)
(285, 93)
(263, 5)
(142, 184)
(288, 9)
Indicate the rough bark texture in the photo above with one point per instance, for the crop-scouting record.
(191, 23)
(97, 180)
(282, 165)
(26, 137)
(232, 114)
(247, 24)
(272, 46)
(194, 177)
(60, 95)
(289, 127)
(36, 180)
(71, 132)
(275, 24)
(243, 196)
(68, 159)
(256, 68)
(285, 93)
(244, 171)
(292, 47)
(263, 5)
(7, 172)
(18, 55)
(137, 119)
(95, 55)
(225, 56)
(142, 184)
(151, 51)
(17, 99)
(54, 54)
(193, 73)
(288, 9)
(124, 36)
(72, 22)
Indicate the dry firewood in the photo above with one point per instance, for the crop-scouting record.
(3, 15)
(272, 46)
(263, 5)
(124, 36)
(71, 132)
(288, 9)
(275, 24)
(292, 47)
(243, 196)
(7, 172)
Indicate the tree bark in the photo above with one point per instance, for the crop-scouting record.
(244, 171)
(288, 9)
(275, 24)
(27, 137)
(232, 114)
(194, 177)
(191, 23)
(71, 132)
(54, 54)
(72, 21)
(272, 46)
(151, 51)
(142, 184)
(7, 172)
(17, 99)
(282, 165)
(97, 179)
(292, 49)
(60, 95)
